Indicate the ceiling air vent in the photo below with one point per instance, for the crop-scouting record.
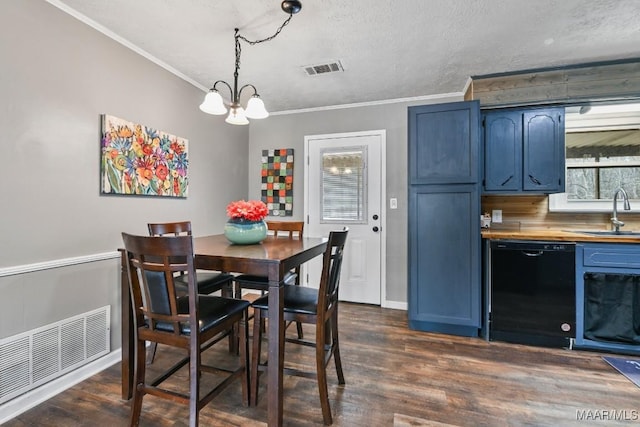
(330, 67)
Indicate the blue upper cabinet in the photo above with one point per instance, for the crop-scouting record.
(443, 152)
(543, 151)
(524, 151)
(503, 151)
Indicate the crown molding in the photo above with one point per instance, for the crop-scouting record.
(93, 24)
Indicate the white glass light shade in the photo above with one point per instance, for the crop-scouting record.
(255, 108)
(213, 103)
(237, 116)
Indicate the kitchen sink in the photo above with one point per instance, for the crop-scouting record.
(605, 233)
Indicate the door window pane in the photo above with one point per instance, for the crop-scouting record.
(343, 186)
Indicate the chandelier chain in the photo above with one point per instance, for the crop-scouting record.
(252, 42)
(239, 37)
(214, 103)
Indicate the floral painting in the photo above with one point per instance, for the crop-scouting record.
(142, 161)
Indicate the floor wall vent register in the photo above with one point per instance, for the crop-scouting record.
(35, 357)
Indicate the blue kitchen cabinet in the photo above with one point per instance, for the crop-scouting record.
(608, 297)
(443, 143)
(503, 151)
(444, 219)
(524, 151)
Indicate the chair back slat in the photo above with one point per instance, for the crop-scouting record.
(290, 228)
(331, 267)
(174, 228)
(161, 229)
(153, 261)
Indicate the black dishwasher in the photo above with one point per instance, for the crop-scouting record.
(532, 293)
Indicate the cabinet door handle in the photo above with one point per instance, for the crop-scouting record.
(534, 180)
(506, 180)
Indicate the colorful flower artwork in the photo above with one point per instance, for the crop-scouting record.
(142, 161)
(277, 181)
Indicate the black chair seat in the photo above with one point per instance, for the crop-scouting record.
(208, 283)
(211, 309)
(297, 299)
(261, 283)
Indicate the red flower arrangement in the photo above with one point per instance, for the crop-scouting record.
(251, 210)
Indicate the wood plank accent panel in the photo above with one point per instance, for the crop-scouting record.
(606, 81)
(532, 212)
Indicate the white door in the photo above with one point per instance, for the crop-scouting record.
(344, 176)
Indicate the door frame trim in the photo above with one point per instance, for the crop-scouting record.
(382, 134)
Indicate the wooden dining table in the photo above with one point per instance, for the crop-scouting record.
(272, 258)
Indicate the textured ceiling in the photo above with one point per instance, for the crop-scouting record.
(389, 49)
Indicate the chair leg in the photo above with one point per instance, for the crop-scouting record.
(255, 356)
(231, 291)
(138, 384)
(151, 355)
(336, 346)
(299, 324)
(263, 322)
(244, 357)
(234, 339)
(321, 370)
(299, 328)
(194, 380)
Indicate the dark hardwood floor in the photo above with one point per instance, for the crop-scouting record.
(394, 377)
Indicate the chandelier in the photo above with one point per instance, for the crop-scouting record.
(213, 102)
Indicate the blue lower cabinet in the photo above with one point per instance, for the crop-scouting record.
(608, 297)
(445, 260)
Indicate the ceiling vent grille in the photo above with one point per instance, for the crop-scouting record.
(329, 67)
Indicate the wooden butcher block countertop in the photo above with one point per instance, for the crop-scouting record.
(557, 235)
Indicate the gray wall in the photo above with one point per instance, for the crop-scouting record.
(58, 76)
(288, 131)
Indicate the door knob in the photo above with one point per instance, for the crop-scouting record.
(376, 229)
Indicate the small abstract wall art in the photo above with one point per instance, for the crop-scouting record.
(277, 181)
(139, 160)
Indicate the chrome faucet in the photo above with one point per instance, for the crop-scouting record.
(615, 222)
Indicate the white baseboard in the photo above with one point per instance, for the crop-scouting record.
(397, 305)
(22, 403)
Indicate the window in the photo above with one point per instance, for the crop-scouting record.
(602, 153)
(343, 185)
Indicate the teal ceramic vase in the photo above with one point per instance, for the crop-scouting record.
(243, 232)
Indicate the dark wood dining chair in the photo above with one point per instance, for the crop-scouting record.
(314, 306)
(192, 322)
(290, 229)
(208, 281)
